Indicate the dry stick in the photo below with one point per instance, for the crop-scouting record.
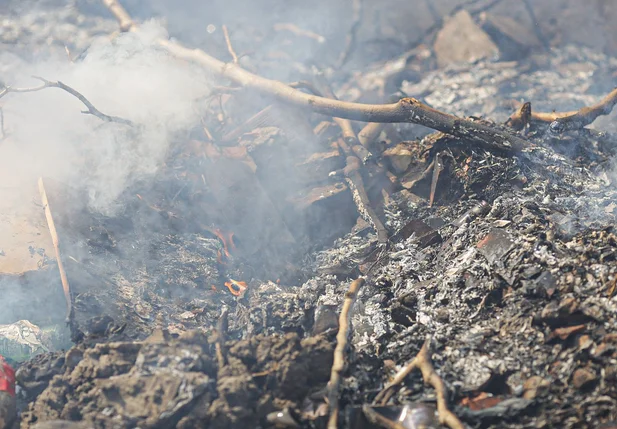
(436, 170)
(422, 361)
(352, 163)
(405, 110)
(229, 46)
(294, 29)
(349, 135)
(360, 196)
(49, 84)
(369, 133)
(350, 39)
(339, 352)
(567, 121)
(54, 238)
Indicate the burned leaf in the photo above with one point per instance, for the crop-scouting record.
(425, 235)
(481, 401)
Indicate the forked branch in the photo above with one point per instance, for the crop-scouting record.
(423, 362)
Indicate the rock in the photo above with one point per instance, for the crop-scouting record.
(462, 40)
(535, 386)
(583, 378)
(513, 39)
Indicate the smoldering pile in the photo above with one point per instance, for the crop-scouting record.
(193, 308)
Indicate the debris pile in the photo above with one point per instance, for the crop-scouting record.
(436, 249)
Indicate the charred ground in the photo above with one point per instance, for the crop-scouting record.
(505, 258)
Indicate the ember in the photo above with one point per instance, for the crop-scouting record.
(431, 184)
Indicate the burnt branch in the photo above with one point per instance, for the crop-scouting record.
(50, 84)
(405, 110)
(379, 420)
(564, 121)
(339, 352)
(422, 361)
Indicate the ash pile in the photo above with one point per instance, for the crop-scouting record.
(444, 257)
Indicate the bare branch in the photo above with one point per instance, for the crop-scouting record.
(50, 84)
(405, 110)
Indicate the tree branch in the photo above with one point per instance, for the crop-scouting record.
(49, 84)
(406, 110)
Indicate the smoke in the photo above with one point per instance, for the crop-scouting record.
(126, 77)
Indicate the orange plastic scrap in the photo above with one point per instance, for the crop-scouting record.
(235, 287)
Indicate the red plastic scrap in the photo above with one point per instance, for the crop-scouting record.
(7, 377)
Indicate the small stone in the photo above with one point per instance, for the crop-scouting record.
(583, 378)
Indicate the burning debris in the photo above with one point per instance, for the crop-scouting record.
(279, 257)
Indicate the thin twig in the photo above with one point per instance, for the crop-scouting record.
(54, 238)
(230, 48)
(293, 28)
(360, 196)
(339, 352)
(50, 84)
(405, 110)
(352, 35)
(422, 361)
(369, 133)
(2, 130)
